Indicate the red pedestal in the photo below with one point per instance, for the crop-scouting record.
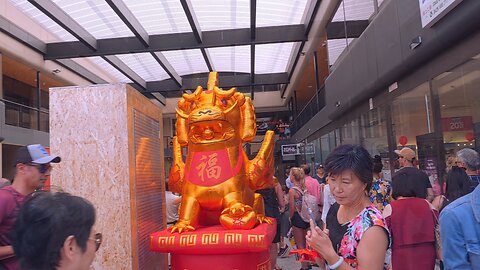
(215, 248)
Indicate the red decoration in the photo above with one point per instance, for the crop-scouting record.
(470, 136)
(403, 140)
(305, 254)
(215, 247)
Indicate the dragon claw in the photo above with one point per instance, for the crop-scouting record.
(182, 226)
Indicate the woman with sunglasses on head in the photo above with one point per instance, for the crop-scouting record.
(55, 231)
(356, 236)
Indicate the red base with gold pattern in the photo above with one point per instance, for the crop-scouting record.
(215, 247)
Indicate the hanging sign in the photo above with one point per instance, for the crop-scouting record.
(431, 11)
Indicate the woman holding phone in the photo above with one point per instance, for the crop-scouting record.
(357, 236)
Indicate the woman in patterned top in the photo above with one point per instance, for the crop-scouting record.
(356, 236)
(380, 193)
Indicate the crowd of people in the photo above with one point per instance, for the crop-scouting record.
(368, 222)
(355, 218)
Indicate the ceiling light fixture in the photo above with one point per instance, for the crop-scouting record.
(55, 71)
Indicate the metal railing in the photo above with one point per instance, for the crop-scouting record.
(316, 103)
(24, 116)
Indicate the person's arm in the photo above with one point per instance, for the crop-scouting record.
(280, 198)
(372, 249)
(455, 254)
(177, 200)
(6, 252)
(291, 202)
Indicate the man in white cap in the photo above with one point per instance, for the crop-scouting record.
(32, 167)
(406, 159)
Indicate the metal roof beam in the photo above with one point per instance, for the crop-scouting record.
(59, 16)
(179, 41)
(192, 19)
(129, 20)
(336, 30)
(167, 67)
(123, 68)
(225, 81)
(208, 59)
(253, 19)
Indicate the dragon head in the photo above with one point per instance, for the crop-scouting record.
(214, 115)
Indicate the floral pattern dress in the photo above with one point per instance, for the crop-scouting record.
(380, 193)
(353, 231)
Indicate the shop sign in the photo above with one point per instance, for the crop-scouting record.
(298, 149)
(432, 11)
(457, 123)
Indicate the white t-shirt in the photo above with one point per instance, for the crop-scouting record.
(172, 209)
(328, 200)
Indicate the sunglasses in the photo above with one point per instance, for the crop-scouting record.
(98, 240)
(42, 168)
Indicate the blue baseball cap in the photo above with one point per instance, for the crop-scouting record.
(34, 153)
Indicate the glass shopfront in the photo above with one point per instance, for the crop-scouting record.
(436, 119)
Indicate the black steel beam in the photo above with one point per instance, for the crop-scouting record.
(80, 70)
(129, 20)
(179, 41)
(123, 68)
(253, 19)
(208, 59)
(192, 19)
(225, 81)
(252, 64)
(167, 67)
(59, 16)
(336, 30)
(22, 36)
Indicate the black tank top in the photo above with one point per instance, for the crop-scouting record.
(336, 230)
(270, 201)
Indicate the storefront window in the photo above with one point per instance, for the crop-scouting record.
(374, 136)
(413, 127)
(459, 99)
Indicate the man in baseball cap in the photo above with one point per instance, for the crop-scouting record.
(406, 159)
(32, 167)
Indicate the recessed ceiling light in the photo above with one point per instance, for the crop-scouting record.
(55, 71)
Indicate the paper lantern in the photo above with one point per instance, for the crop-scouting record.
(403, 140)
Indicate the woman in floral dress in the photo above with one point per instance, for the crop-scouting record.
(356, 236)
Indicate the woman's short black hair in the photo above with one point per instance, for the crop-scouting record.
(351, 157)
(43, 224)
(458, 183)
(408, 182)
(377, 164)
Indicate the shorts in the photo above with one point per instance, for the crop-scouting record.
(298, 222)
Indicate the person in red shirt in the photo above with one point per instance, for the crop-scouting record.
(313, 188)
(32, 167)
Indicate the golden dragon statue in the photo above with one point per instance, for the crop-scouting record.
(217, 181)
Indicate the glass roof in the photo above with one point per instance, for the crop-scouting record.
(274, 12)
(96, 16)
(222, 14)
(51, 26)
(231, 59)
(351, 10)
(145, 66)
(110, 69)
(336, 48)
(272, 58)
(160, 16)
(186, 61)
(168, 17)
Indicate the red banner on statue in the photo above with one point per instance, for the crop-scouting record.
(457, 123)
